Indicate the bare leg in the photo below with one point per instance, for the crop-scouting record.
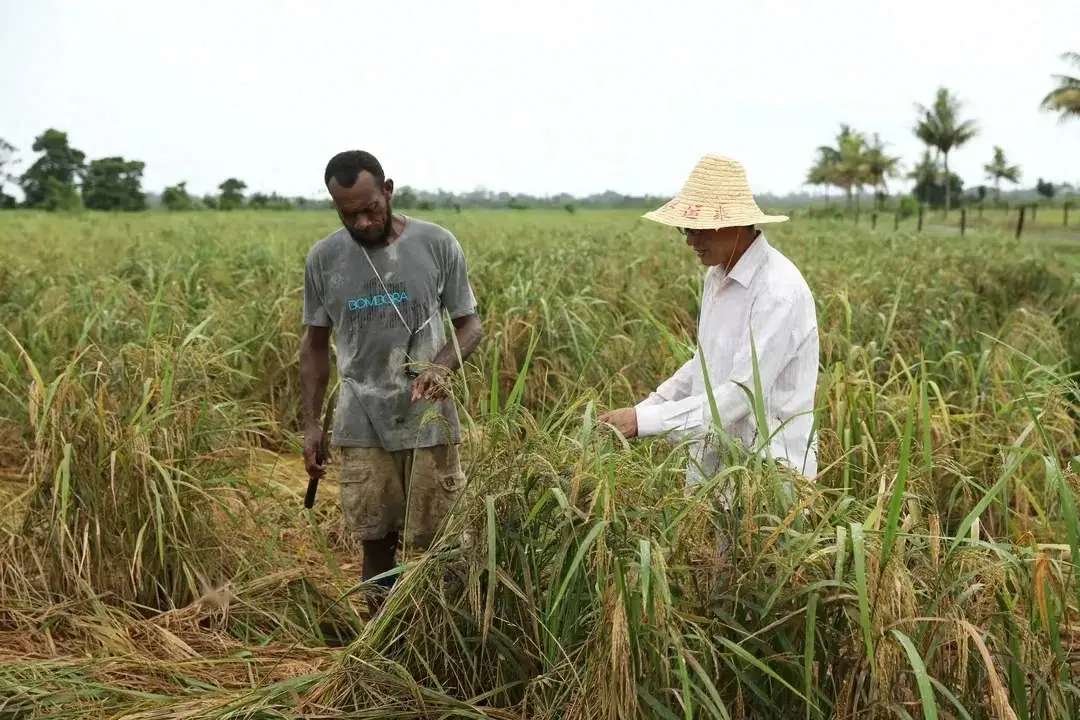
(380, 556)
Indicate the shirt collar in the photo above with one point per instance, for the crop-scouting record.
(751, 261)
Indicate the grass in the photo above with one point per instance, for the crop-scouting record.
(156, 562)
(1047, 221)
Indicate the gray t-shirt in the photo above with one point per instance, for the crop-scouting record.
(424, 273)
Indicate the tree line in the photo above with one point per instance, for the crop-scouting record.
(61, 178)
(856, 162)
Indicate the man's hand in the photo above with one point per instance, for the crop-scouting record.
(625, 419)
(312, 441)
(430, 385)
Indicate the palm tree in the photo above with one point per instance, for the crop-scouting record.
(925, 172)
(924, 131)
(845, 165)
(821, 172)
(999, 169)
(851, 164)
(880, 166)
(940, 127)
(1065, 98)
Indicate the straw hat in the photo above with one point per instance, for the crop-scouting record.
(716, 195)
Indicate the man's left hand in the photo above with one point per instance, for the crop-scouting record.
(625, 419)
(430, 385)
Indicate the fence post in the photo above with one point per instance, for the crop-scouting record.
(1033, 206)
(963, 221)
(896, 221)
(1066, 215)
(920, 218)
(1020, 223)
(980, 210)
(873, 221)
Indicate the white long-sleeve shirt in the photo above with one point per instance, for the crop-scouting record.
(767, 294)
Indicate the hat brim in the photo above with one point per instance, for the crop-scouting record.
(708, 221)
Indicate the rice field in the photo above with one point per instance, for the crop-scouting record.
(156, 560)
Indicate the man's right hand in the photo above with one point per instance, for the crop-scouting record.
(312, 442)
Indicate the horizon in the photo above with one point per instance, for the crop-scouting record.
(478, 96)
(1067, 191)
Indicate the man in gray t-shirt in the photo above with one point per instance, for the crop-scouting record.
(382, 283)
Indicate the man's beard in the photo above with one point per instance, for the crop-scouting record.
(383, 237)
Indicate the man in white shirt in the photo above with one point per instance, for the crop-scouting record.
(750, 288)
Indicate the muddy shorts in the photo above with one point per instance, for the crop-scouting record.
(376, 484)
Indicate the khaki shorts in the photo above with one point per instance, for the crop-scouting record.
(375, 484)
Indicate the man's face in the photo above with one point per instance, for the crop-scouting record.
(716, 247)
(364, 208)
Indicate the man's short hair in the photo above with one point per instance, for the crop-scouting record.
(346, 166)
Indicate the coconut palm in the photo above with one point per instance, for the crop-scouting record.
(821, 172)
(852, 164)
(847, 162)
(925, 172)
(1065, 98)
(999, 169)
(924, 132)
(880, 166)
(940, 127)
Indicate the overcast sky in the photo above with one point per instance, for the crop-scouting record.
(574, 95)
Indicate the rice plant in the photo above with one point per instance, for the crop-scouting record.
(156, 561)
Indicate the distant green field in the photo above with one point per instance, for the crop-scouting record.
(156, 558)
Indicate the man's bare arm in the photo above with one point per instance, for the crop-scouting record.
(469, 333)
(314, 373)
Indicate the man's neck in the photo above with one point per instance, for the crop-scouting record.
(397, 227)
(740, 250)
